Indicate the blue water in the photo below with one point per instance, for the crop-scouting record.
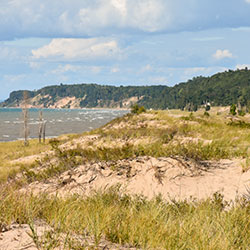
(58, 121)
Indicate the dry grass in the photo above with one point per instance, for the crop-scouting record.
(14, 150)
(147, 224)
(155, 133)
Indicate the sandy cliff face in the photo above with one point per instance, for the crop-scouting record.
(47, 101)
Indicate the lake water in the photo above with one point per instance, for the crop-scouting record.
(58, 121)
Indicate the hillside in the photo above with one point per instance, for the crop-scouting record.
(221, 89)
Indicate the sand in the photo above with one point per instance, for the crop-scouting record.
(173, 178)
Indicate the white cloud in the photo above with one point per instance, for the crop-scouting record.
(121, 6)
(242, 66)
(71, 49)
(148, 15)
(221, 54)
(78, 18)
(145, 15)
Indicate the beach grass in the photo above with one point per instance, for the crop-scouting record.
(11, 151)
(133, 220)
(118, 217)
(154, 133)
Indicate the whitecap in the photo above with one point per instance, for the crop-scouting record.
(34, 123)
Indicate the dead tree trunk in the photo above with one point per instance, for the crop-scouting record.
(25, 118)
(40, 126)
(44, 128)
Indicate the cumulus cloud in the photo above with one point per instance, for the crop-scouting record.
(75, 49)
(221, 54)
(248, 1)
(77, 18)
(61, 18)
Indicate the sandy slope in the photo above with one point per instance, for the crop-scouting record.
(173, 178)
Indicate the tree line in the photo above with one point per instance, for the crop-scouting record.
(221, 89)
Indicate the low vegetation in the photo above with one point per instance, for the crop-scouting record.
(131, 219)
(11, 151)
(142, 223)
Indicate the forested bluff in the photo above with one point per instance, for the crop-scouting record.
(222, 89)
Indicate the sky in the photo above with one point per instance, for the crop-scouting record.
(119, 42)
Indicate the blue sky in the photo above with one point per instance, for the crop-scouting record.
(119, 42)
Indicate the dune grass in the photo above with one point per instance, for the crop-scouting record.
(124, 219)
(142, 223)
(10, 151)
(155, 133)
(15, 149)
(208, 137)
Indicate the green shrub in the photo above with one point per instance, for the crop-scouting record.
(233, 109)
(137, 109)
(206, 114)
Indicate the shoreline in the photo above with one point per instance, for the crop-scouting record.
(59, 122)
(51, 108)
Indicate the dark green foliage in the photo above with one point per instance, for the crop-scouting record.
(137, 109)
(221, 89)
(233, 109)
(206, 114)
